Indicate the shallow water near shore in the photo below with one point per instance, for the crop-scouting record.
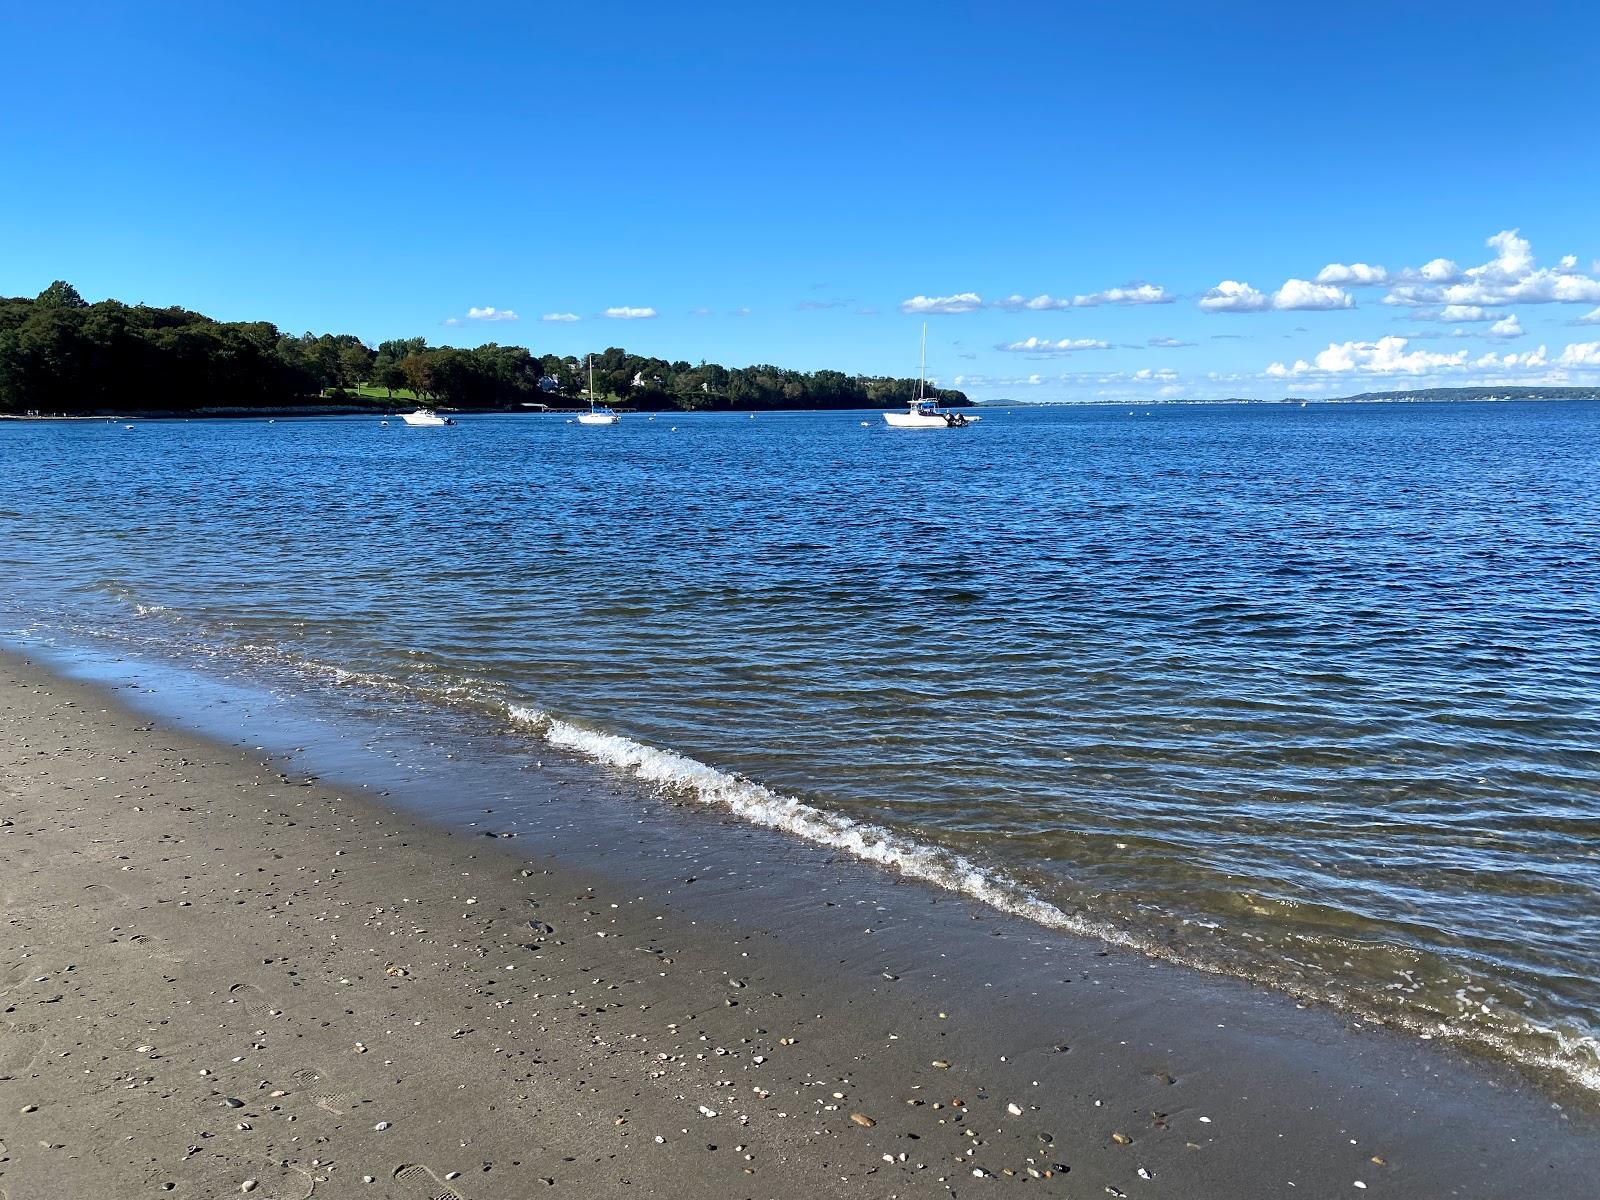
(1305, 696)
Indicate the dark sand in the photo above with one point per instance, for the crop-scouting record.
(216, 980)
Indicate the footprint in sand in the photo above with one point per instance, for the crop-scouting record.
(103, 893)
(322, 1092)
(254, 1001)
(421, 1182)
(19, 1048)
(11, 976)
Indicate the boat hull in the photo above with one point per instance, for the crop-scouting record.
(598, 418)
(917, 421)
(423, 419)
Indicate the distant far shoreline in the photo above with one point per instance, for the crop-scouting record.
(1475, 395)
(1462, 395)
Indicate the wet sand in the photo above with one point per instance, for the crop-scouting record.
(218, 979)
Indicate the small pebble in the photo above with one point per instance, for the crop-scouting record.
(863, 1120)
(381, 1126)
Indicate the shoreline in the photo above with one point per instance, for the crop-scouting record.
(538, 984)
(396, 408)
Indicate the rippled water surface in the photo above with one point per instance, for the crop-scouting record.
(1307, 695)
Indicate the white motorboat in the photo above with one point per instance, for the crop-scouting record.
(425, 416)
(596, 415)
(926, 414)
(923, 413)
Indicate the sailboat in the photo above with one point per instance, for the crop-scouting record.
(596, 416)
(924, 413)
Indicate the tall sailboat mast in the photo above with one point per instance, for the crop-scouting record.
(922, 379)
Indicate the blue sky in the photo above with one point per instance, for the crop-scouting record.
(805, 185)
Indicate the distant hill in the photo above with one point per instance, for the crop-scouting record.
(1478, 394)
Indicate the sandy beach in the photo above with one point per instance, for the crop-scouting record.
(219, 977)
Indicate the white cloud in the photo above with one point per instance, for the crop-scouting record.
(1505, 329)
(1508, 362)
(1466, 312)
(1147, 374)
(1128, 293)
(1298, 294)
(1168, 342)
(1386, 356)
(1589, 318)
(1391, 356)
(560, 317)
(489, 313)
(1232, 296)
(1510, 277)
(1016, 303)
(1580, 354)
(624, 313)
(1036, 345)
(1353, 275)
(959, 303)
(1439, 270)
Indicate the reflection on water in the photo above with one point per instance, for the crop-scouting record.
(1306, 695)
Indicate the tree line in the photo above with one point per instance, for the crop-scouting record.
(61, 354)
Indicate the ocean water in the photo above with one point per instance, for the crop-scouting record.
(1309, 696)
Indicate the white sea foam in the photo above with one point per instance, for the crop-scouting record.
(1573, 1058)
(760, 805)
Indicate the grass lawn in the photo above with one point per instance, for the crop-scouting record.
(368, 392)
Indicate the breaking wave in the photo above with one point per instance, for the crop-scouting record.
(760, 805)
(1572, 1057)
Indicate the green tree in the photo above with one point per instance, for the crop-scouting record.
(355, 364)
(417, 371)
(61, 294)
